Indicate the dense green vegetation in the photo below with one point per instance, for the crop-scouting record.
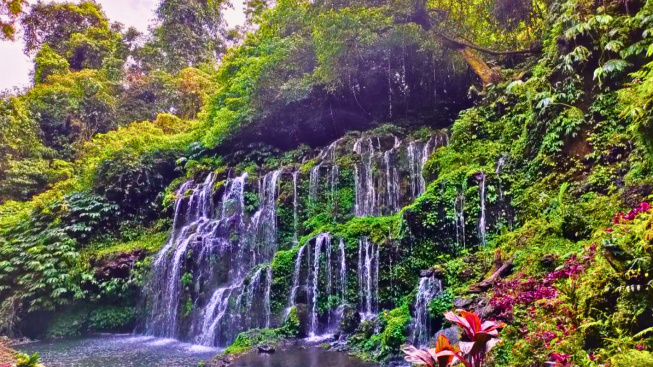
(548, 108)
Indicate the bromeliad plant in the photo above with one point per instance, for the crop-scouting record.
(442, 355)
(479, 337)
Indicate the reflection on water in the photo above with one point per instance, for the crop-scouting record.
(147, 351)
(301, 357)
(119, 351)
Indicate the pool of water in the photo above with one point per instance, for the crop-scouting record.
(119, 351)
(301, 357)
(147, 351)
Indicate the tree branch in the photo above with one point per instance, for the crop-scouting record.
(463, 44)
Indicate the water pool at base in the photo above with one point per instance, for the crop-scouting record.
(146, 351)
(301, 357)
(119, 351)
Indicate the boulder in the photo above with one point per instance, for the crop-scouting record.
(118, 266)
(351, 319)
(304, 320)
(266, 349)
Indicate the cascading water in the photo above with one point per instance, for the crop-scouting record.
(343, 271)
(224, 247)
(481, 220)
(320, 241)
(364, 179)
(164, 294)
(459, 219)
(295, 278)
(213, 266)
(264, 221)
(368, 277)
(268, 292)
(295, 204)
(393, 185)
(418, 154)
(429, 288)
(328, 155)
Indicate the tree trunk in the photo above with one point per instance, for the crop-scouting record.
(484, 72)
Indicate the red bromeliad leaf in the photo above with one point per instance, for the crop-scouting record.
(482, 336)
(472, 319)
(418, 356)
(444, 352)
(461, 322)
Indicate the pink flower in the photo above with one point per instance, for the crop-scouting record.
(561, 359)
(639, 347)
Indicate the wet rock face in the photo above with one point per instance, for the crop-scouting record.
(304, 320)
(351, 319)
(266, 349)
(634, 195)
(118, 267)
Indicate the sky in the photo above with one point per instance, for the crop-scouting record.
(15, 67)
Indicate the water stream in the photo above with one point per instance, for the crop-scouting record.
(119, 351)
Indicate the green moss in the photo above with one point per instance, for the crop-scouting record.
(441, 304)
(283, 266)
(68, 324)
(112, 319)
(247, 340)
(394, 324)
(150, 242)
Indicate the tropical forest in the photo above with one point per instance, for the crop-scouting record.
(330, 183)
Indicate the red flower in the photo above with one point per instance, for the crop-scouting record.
(639, 347)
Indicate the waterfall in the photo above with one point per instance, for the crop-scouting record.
(268, 291)
(459, 219)
(368, 277)
(165, 285)
(393, 185)
(418, 154)
(295, 202)
(313, 183)
(328, 155)
(295, 278)
(364, 179)
(204, 301)
(320, 242)
(212, 319)
(254, 284)
(428, 289)
(481, 221)
(343, 271)
(265, 219)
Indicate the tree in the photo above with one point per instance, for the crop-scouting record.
(452, 22)
(55, 23)
(10, 10)
(189, 32)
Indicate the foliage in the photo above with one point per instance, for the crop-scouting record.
(188, 33)
(481, 337)
(112, 318)
(24, 360)
(10, 10)
(395, 324)
(442, 355)
(441, 303)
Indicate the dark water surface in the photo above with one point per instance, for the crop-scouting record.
(301, 357)
(143, 351)
(119, 351)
